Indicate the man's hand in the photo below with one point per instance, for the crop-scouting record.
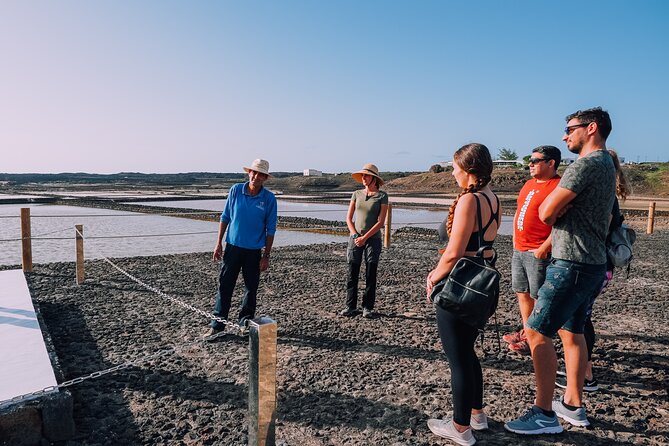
(264, 263)
(540, 253)
(218, 252)
(564, 210)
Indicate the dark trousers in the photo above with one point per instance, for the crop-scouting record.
(234, 260)
(458, 339)
(369, 295)
(370, 252)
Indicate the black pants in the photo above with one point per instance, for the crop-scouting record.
(369, 296)
(370, 252)
(458, 339)
(234, 260)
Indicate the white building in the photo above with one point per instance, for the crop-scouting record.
(313, 173)
(507, 163)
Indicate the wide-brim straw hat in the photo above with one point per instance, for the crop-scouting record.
(367, 169)
(260, 166)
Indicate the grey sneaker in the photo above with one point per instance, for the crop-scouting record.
(534, 422)
(446, 429)
(576, 417)
(479, 422)
(369, 314)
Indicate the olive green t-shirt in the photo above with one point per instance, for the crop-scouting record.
(367, 210)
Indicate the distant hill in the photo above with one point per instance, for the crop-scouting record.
(647, 179)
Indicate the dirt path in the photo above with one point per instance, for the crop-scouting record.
(340, 381)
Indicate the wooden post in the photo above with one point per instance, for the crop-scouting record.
(389, 219)
(79, 243)
(262, 382)
(651, 218)
(26, 241)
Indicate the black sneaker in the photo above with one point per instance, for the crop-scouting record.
(244, 325)
(368, 314)
(590, 385)
(348, 312)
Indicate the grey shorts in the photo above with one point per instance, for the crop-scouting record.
(527, 272)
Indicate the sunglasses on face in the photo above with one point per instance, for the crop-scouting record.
(537, 160)
(571, 128)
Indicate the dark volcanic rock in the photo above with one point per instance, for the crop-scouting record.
(341, 381)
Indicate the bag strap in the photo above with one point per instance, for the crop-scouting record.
(479, 219)
(482, 249)
(485, 351)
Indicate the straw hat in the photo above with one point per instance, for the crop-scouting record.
(260, 166)
(367, 169)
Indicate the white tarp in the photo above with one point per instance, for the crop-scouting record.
(24, 362)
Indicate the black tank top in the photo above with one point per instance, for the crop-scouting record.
(473, 243)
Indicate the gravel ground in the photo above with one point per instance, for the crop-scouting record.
(340, 381)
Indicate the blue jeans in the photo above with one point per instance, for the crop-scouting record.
(565, 296)
(234, 260)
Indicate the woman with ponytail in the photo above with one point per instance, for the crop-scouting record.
(472, 169)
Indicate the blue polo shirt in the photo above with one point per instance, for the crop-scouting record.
(250, 218)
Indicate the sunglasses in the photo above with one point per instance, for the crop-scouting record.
(571, 128)
(538, 160)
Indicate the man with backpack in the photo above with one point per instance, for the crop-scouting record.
(579, 210)
(618, 253)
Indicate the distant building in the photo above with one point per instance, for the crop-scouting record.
(507, 163)
(313, 173)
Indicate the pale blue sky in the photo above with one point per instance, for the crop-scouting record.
(175, 86)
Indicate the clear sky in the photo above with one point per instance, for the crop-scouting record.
(176, 86)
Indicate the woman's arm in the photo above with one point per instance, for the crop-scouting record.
(349, 218)
(463, 226)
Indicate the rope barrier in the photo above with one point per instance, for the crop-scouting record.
(135, 214)
(164, 295)
(37, 237)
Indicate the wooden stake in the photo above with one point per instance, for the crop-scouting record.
(389, 219)
(262, 382)
(651, 218)
(79, 243)
(26, 241)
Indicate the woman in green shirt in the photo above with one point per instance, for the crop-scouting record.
(370, 206)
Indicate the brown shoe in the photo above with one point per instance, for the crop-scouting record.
(212, 334)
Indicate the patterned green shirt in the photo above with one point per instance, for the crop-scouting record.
(580, 234)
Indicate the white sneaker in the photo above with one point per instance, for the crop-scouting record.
(446, 429)
(479, 421)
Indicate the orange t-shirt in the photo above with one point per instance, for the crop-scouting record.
(529, 232)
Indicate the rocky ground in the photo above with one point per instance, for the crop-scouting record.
(340, 381)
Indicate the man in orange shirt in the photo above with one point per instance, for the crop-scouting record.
(532, 238)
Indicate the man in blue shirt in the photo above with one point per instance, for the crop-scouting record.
(250, 220)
